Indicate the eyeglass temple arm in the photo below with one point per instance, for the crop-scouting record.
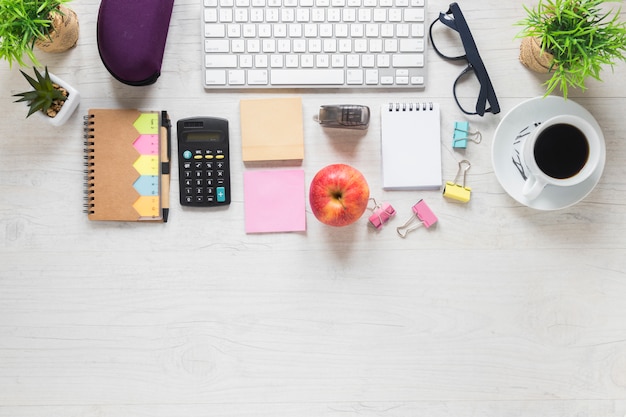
(487, 93)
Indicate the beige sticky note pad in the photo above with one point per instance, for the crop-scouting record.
(272, 129)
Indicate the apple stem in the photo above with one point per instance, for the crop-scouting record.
(339, 196)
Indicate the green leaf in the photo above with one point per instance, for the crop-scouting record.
(21, 23)
(581, 35)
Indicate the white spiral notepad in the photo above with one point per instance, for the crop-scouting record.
(411, 146)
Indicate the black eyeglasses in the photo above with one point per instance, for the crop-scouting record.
(475, 64)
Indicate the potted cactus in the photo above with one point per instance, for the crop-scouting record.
(46, 24)
(51, 96)
(572, 40)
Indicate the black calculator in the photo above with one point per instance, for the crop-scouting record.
(203, 162)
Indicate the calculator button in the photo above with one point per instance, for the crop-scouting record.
(221, 194)
(187, 154)
(219, 156)
(197, 157)
(208, 156)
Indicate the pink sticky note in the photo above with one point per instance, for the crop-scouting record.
(274, 201)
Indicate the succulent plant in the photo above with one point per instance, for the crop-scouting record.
(45, 96)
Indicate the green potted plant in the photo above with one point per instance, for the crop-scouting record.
(572, 40)
(24, 24)
(50, 96)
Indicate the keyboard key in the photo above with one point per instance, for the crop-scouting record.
(354, 76)
(210, 16)
(236, 77)
(220, 61)
(257, 77)
(216, 45)
(371, 77)
(215, 77)
(307, 76)
(411, 45)
(214, 30)
(413, 15)
(408, 60)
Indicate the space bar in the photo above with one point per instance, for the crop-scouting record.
(307, 77)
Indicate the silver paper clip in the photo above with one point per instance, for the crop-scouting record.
(456, 191)
(423, 214)
(381, 213)
(462, 134)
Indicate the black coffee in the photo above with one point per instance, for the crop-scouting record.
(561, 151)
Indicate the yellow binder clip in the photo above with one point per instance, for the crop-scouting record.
(456, 191)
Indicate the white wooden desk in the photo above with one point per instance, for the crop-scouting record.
(501, 310)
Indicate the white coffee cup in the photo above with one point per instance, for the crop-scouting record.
(563, 151)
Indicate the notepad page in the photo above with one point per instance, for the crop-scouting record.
(411, 146)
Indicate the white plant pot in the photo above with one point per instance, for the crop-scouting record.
(69, 106)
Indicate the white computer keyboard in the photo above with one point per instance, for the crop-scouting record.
(314, 43)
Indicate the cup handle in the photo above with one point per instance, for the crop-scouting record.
(533, 187)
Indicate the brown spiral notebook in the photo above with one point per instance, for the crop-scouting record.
(127, 161)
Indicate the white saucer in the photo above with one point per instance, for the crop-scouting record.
(524, 117)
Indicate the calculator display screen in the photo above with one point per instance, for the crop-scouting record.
(203, 136)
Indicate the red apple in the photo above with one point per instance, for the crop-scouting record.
(339, 195)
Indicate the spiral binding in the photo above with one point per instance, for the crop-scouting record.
(411, 106)
(89, 164)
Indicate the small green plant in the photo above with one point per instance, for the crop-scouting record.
(580, 35)
(45, 96)
(22, 22)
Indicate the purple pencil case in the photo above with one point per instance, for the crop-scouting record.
(131, 38)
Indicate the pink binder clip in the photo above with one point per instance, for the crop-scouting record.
(423, 214)
(381, 213)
